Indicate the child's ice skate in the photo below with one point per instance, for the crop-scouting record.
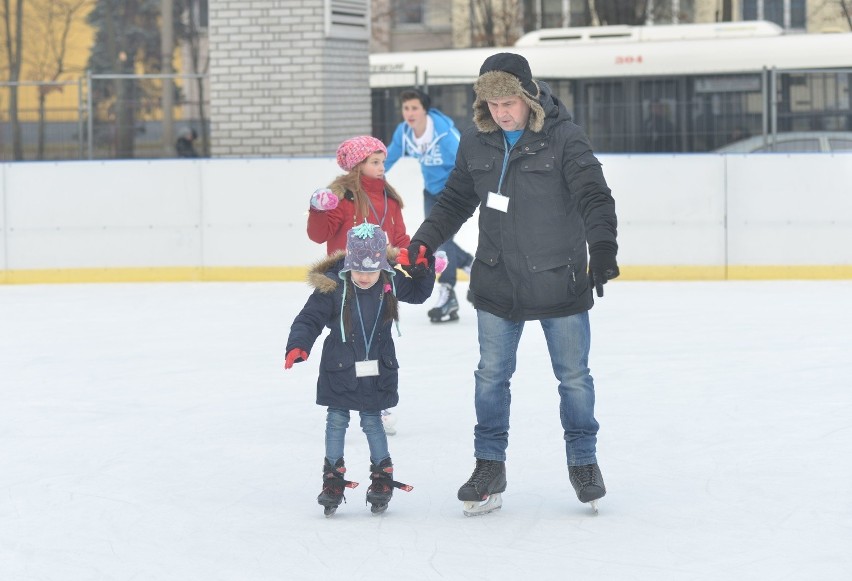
(333, 485)
(381, 490)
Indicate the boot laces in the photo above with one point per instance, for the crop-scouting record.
(484, 473)
(586, 475)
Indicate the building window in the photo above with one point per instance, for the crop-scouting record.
(788, 14)
(560, 13)
(552, 15)
(408, 12)
(670, 12)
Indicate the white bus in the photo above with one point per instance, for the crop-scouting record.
(671, 88)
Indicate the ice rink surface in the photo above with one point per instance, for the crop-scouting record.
(149, 432)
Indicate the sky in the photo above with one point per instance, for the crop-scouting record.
(149, 432)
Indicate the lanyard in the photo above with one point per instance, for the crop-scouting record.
(363, 330)
(381, 222)
(505, 163)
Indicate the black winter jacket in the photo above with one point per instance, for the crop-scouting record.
(337, 385)
(531, 262)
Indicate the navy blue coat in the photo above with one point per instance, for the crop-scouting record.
(337, 385)
(530, 261)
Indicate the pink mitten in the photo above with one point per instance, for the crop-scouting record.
(441, 261)
(324, 199)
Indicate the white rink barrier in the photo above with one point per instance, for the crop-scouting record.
(680, 217)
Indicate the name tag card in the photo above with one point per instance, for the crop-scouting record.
(497, 202)
(367, 368)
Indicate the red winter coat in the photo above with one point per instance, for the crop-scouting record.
(331, 226)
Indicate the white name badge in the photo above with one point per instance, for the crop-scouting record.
(497, 202)
(367, 368)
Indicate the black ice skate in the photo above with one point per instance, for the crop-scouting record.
(446, 306)
(588, 483)
(381, 490)
(333, 485)
(481, 493)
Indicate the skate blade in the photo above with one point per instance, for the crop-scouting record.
(477, 508)
(378, 509)
(452, 318)
(329, 511)
(594, 505)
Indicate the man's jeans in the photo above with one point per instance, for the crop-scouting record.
(456, 257)
(568, 340)
(336, 422)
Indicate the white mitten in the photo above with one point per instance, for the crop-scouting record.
(441, 261)
(324, 199)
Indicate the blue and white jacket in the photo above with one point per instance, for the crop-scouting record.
(440, 156)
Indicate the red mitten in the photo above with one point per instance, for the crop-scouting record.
(402, 257)
(294, 356)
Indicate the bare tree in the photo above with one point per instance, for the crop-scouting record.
(495, 22)
(381, 17)
(847, 12)
(13, 57)
(199, 63)
(52, 25)
(832, 11)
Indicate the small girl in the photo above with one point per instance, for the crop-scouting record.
(355, 296)
(360, 194)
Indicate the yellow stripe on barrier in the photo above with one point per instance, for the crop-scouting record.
(154, 274)
(299, 273)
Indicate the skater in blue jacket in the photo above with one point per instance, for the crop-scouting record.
(431, 137)
(356, 296)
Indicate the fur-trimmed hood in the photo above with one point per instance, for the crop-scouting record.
(323, 274)
(498, 84)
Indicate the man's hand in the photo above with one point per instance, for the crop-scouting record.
(602, 265)
(416, 260)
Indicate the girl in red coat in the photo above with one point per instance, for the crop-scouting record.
(360, 195)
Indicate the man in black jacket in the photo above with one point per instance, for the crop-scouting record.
(542, 199)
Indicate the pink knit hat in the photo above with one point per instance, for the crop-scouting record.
(355, 150)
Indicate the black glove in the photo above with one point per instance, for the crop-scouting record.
(419, 261)
(602, 265)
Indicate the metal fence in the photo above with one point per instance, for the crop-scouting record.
(105, 117)
(145, 116)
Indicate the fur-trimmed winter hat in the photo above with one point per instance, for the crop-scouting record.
(366, 249)
(356, 149)
(503, 75)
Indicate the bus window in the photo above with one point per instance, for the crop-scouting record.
(661, 129)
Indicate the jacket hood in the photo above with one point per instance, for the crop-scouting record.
(494, 85)
(442, 121)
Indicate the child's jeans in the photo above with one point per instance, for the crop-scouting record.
(336, 422)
